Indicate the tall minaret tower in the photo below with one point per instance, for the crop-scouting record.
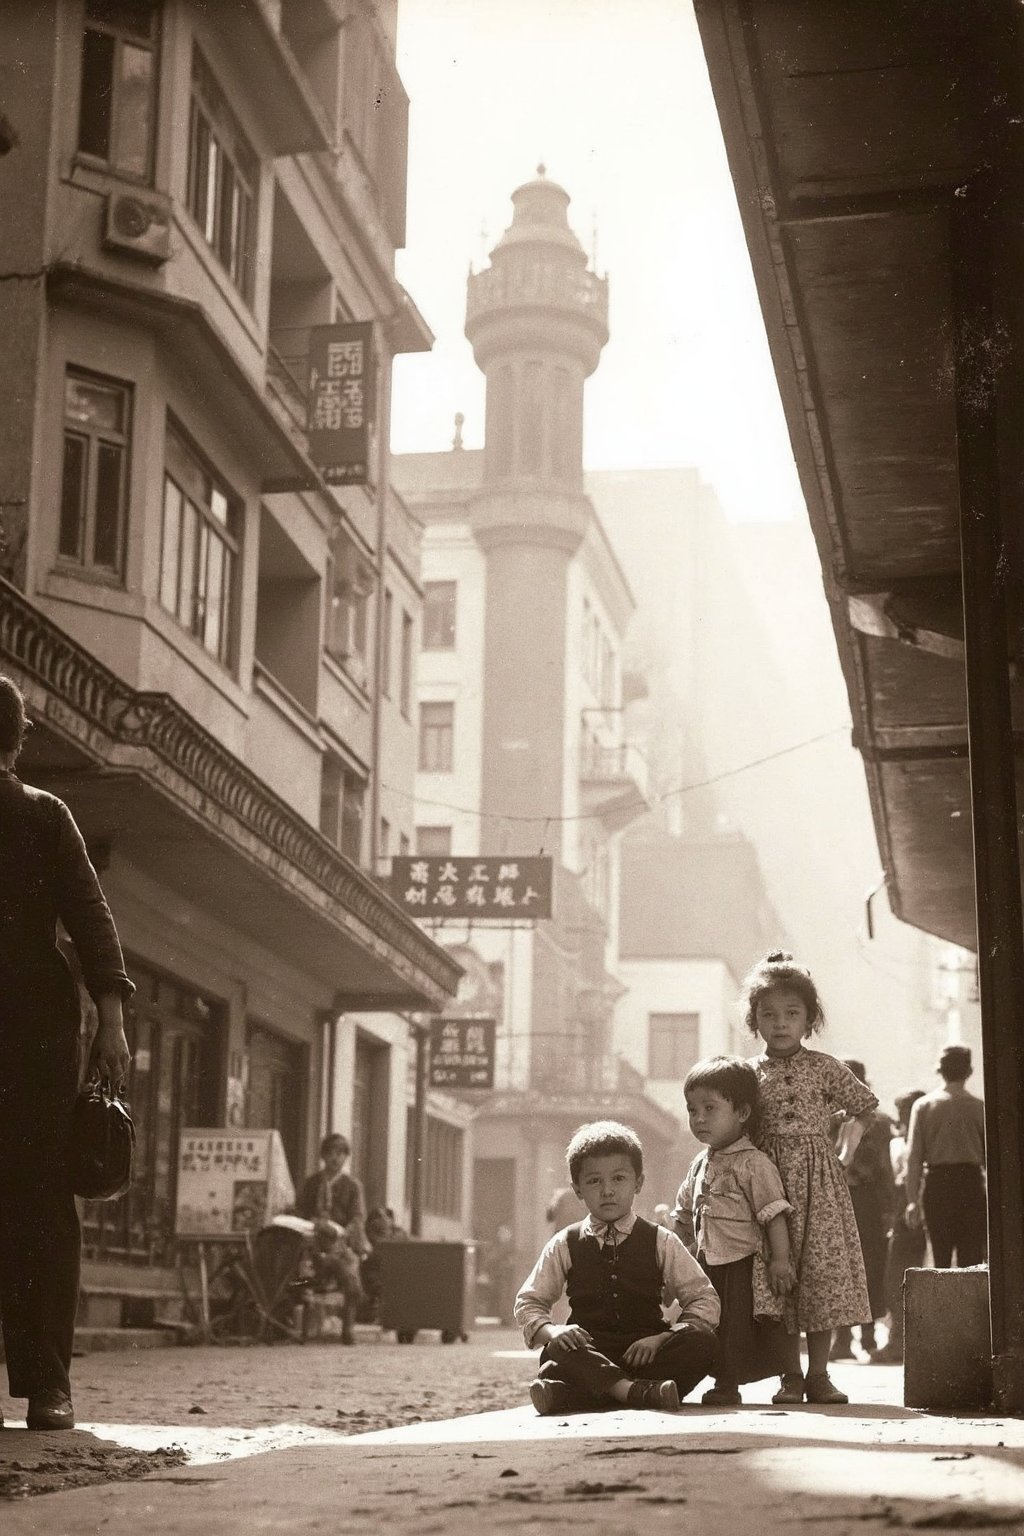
(537, 319)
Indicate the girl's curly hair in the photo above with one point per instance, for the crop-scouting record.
(779, 969)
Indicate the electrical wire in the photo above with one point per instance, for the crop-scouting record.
(639, 806)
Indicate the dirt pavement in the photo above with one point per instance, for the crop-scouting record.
(296, 1439)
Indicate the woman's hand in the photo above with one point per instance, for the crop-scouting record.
(109, 1055)
(643, 1351)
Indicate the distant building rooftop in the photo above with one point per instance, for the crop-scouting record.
(695, 900)
(457, 473)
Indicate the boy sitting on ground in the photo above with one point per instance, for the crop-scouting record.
(614, 1266)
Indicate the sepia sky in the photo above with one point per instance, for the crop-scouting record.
(613, 97)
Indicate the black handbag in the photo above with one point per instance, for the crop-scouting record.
(101, 1149)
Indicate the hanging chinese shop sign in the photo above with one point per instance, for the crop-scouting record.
(462, 1053)
(506, 888)
(340, 401)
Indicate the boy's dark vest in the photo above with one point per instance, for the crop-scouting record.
(616, 1291)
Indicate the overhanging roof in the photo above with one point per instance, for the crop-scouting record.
(136, 768)
(850, 130)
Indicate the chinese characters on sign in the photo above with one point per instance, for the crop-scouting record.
(488, 887)
(340, 402)
(462, 1053)
(230, 1182)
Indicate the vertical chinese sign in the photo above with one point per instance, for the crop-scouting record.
(462, 1053)
(341, 401)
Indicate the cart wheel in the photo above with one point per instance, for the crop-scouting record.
(405, 1336)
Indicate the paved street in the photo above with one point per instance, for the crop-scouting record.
(432, 1438)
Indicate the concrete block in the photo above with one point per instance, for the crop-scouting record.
(947, 1347)
(96, 1310)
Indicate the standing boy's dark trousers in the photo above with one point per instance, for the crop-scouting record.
(40, 1237)
(590, 1373)
(953, 1203)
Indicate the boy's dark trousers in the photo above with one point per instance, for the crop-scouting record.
(590, 1373)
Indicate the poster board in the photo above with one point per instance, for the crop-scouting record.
(229, 1182)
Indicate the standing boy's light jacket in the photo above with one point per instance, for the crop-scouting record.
(679, 1271)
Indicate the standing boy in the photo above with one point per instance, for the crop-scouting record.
(614, 1266)
(945, 1159)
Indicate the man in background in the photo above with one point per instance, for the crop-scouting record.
(945, 1162)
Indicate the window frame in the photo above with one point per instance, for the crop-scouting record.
(95, 438)
(123, 38)
(405, 665)
(440, 734)
(686, 1028)
(216, 140)
(439, 625)
(189, 474)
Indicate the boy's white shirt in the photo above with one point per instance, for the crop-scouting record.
(680, 1272)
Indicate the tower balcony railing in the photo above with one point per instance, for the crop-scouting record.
(615, 765)
(545, 283)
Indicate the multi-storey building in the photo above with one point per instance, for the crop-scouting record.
(217, 646)
(521, 741)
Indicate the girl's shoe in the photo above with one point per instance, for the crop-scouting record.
(723, 1397)
(791, 1388)
(820, 1389)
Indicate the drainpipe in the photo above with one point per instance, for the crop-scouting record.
(379, 637)
(419, 1128)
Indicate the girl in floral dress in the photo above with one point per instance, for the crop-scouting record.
(800, 1093)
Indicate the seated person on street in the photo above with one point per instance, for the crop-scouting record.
(614, 1266)
(381, 1227)
(334, 1199)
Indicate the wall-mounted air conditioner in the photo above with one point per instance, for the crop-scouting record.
(138, 224)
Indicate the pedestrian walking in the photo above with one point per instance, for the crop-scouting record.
(907, 1244)
(45, 875)
(870, 1181)
(800, 1091)
(945, 1165)
(614, 1265)
(731, 1211)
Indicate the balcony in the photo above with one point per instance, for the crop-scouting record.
(613, 781)
(547, 284)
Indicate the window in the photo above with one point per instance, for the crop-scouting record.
(405, 663)
(403, 846)
(342, 798)
(439, 616)
(442, 1166)
(433, 841)
(384, 843)
(531, 418)
(199, 551)
(350, 583)
(223, 173)
(437, 729)
(94, 486)
(672, 1045)
(117, 109)
(388, 622)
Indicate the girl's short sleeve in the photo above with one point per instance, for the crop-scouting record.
(845, 1091)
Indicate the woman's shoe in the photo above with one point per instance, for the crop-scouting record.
(820, 1389)
(791, 1388)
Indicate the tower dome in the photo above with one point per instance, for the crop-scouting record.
(537, 319)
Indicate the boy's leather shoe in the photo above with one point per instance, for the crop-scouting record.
(51, 1409)
(723, 1397)
(663, 1396)
(791, 1388)
(549, 1396)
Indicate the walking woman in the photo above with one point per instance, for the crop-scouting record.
(45, 874)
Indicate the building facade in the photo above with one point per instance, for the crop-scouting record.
(522, 748)
(217, 645)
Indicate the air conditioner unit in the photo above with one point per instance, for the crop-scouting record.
(138, 224)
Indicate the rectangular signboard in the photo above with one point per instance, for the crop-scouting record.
(230, 1182)
(340, 401)
(462, 1053)
(505, 887)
